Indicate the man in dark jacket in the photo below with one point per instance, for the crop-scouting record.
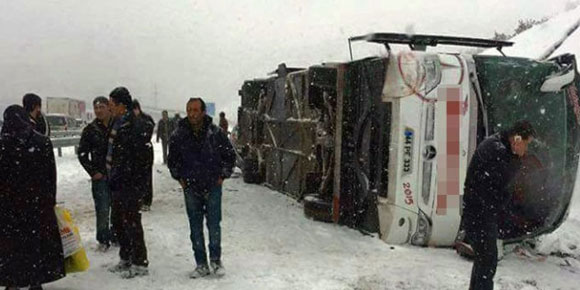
(125, 159)
(493, 166)
(224, 122)
(31, 250)
(146, 173)
(175, 121)
(33, 104)
(164, 129)
(92, 154)
(200, 158)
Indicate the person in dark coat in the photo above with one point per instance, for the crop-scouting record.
(175, 121)
(164, 129)
(92, 154)
(493, 166)
(146, 175)
(200, 158)
(33, 104)
(31, 252)
(126, 158)
(224, 122)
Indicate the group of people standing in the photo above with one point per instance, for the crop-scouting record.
(117, 153)
(93, 152)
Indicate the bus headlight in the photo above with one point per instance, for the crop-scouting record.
(423, 232)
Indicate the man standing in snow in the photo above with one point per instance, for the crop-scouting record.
(164, 130)
(494, 164)
(146, 174)
(223, 122)
(92, 154)
(125, 159)
(200, 158)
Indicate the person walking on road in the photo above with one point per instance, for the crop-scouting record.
(164, 129)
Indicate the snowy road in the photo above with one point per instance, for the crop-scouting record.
(269, 244)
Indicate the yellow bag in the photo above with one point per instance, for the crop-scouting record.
(75, 255)
(78, 262)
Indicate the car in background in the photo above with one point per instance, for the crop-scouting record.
(80, 122)
(61, 122)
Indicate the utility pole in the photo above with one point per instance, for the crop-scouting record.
(155, 96)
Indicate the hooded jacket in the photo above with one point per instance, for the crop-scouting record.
(30, 246)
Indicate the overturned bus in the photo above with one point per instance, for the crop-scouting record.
(382, 144)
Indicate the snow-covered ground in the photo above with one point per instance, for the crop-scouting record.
(269, 244)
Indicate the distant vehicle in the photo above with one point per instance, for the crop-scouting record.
(382, 144)
(68, 107)
(61, 122)
(80, 122)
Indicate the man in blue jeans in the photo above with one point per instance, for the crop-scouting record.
(92, 154)
(200, 158)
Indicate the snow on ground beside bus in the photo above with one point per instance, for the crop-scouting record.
(269, 244)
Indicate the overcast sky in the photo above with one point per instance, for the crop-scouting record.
(179, 48)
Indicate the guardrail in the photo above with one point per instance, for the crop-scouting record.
(60, 134)
(61, 139)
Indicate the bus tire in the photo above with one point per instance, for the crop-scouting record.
(317, 208)
(250, 171)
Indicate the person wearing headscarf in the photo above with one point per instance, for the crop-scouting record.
(31, 251)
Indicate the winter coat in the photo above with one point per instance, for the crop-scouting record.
(200, 160)
(31, 250)
(92, 152)
(224, 124)
(164, 129)
(490, 171)
(130, 156)
(149, 127)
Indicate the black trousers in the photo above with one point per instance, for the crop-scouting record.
(126, 220)
(164, 148)
(482, 234)
(147, 186)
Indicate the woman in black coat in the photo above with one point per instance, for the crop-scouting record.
(30, 246)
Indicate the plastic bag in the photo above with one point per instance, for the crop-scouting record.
(75, 255)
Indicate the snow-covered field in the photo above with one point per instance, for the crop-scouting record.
(269, 244)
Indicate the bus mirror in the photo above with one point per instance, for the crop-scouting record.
(556, 82)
